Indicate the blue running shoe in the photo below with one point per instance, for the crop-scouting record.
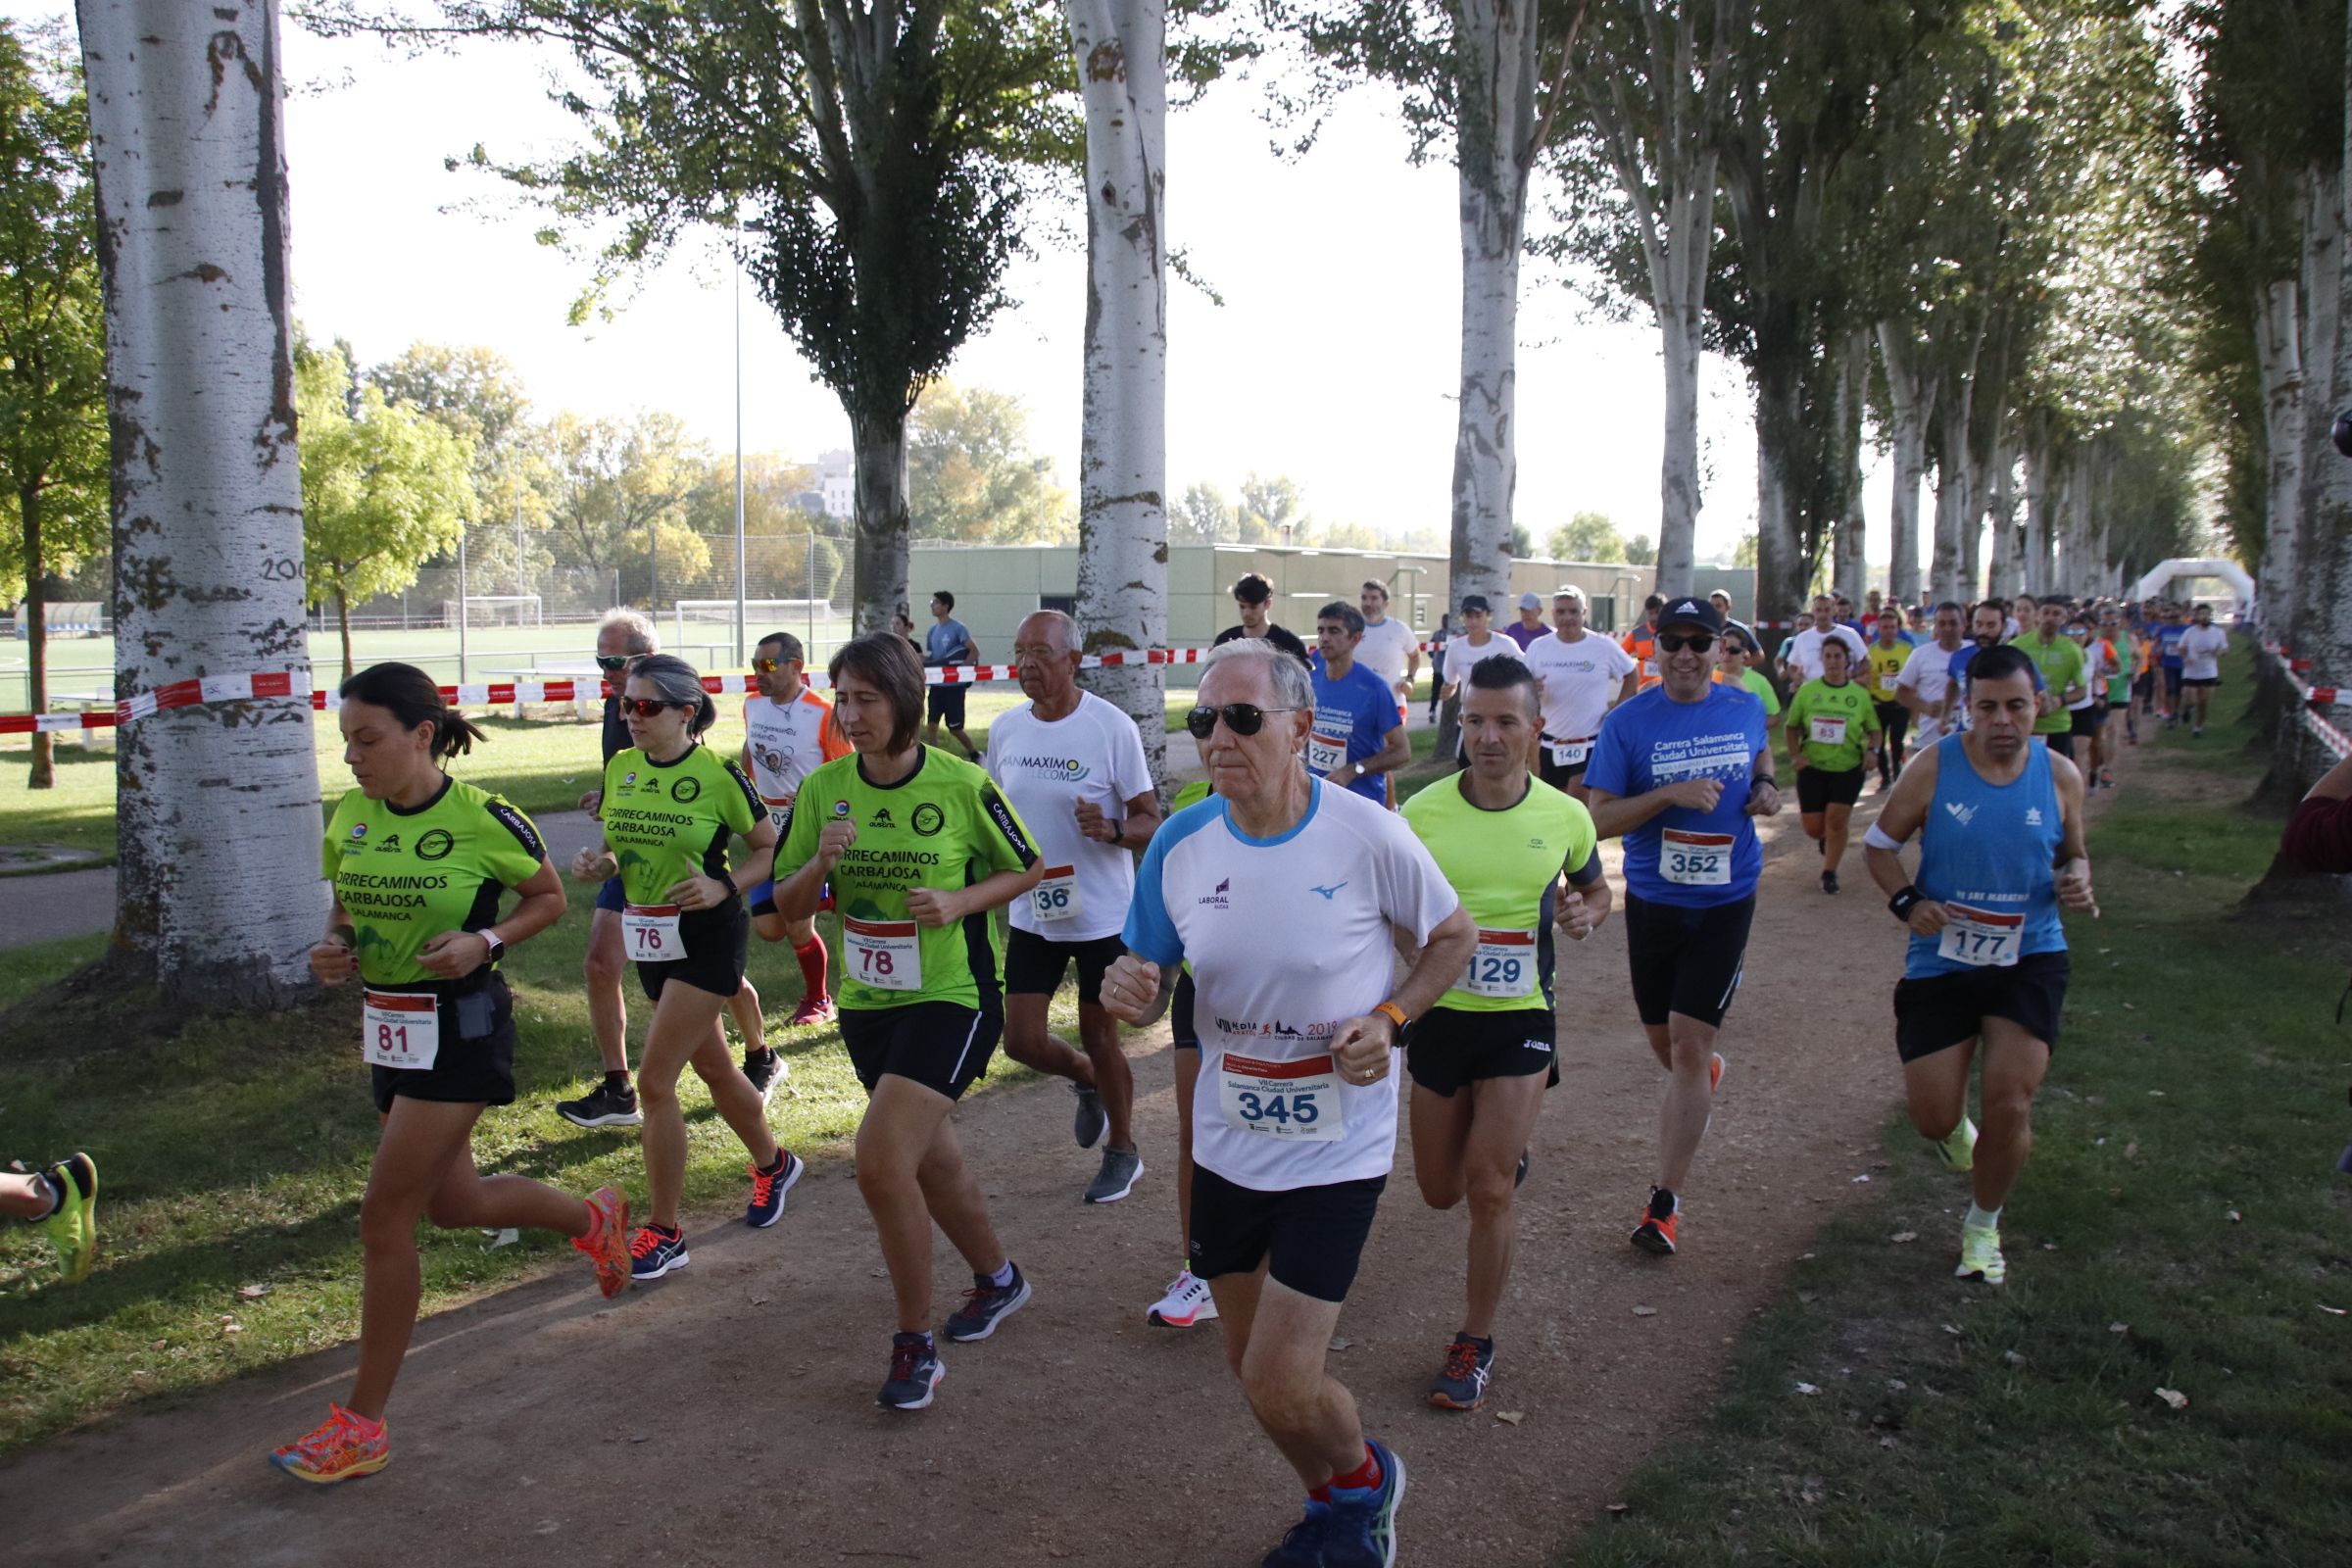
(985, 1305)
(768, 1188)
(1363, 1519)
(1303, 1543)
(655, 1252)
(914, 1371)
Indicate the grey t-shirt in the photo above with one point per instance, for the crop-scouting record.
(944, 640)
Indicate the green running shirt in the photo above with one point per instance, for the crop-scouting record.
(1848, 709)
(1503, 866)
(945, 826)
(667, 821)
(2062, 665)
(405, 877)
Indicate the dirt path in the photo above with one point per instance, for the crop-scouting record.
(727, 1415)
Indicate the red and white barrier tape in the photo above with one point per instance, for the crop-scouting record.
(2314, 698)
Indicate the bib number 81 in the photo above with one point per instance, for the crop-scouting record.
(1281, 1109)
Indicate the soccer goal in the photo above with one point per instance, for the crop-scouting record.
(494, 609)
(806, 618)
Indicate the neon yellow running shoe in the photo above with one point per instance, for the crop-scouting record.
(72, 1226)
(1958, 1149)
(1981, 1255)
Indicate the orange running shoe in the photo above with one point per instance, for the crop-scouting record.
(1715, 1072)
(1656, 1232)
(606, 1242)
(340, 1449)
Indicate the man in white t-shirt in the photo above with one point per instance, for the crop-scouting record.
(1478, 641)
(788, 730)
(1390, 649)
(1073, 767)
(1926, 676)
(1295, 1109)
(1803, 662)
(2201, 650)
(1582, 675)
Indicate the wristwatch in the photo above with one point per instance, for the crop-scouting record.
(1396, 1014)
(498, 947)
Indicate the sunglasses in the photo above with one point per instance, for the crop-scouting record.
(1675, 642)
(768, 666)
(646, 707)
(615, 663)
(1243, 718)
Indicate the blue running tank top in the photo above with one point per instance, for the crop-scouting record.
(1990, 851)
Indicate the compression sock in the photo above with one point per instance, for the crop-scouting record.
(812, 967)
(1983, 1218)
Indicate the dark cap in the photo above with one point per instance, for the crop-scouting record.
(1477, 601)
(1689, 611)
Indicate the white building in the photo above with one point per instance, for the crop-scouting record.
(834, 482)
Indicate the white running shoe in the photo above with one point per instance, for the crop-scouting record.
(1186, 1302)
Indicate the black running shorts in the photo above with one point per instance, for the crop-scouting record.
(1685, 961)
(945, 705)
(2088, 721)
(1941, 1011)
(1448, 1049)
(1818, 788)
(1034, 965)
(717, 945)
(475, 1061)
(1310, 1237)
(944, 1046)
(2206, 682)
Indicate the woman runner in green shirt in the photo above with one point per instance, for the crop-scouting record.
(918, 847)
(670, 805)
(418, 861)
(1833, 723)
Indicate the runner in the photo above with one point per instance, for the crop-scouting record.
(1530, 625)
(2201, 648)
(1731, 622)
(2170, 629)
(670, 805)
(1927, 677)
(2117, 634)
(1883, 669)
(1253, 597)
(1642, 642)
(418, 863)
(1353, 742)
(1073, 767)
(62, 1201)
(1188, 1300)
(2087, 716)
(787, 731)
(1997, 814)
(1679, 773)
(2060, 661)
(1984, 624)
(918, 847)
(1438, 641)
(1390, 649)
(1294, 1139)
(1802, 662)
(1742, 666)
(1464, 652)
(1582, 675)
(949, 641)
(1833, 724)
(2143, 680)
(1482, 1056)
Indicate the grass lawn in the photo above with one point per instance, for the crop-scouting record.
(2179, 1227)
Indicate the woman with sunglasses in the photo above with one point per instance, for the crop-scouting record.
(918, 847)
(670, 805)
(420, 864)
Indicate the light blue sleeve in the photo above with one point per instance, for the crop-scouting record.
(1150, 933)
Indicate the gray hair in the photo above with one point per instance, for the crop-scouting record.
(1066, 629)
(643, 639)
(679, 682)
(1288, 676)
(1571, 590)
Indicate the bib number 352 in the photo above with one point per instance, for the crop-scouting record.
(1289, 1099)
(1695, 859)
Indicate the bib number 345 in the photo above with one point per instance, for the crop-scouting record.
(1289, 1099)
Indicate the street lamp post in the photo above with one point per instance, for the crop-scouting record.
(740, 650)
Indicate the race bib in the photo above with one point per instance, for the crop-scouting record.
(400, 1029)
(1293, 1100)
(886, 955)
(777, 810)
(1504, 964)
(1570, 753)
(1325, 754)
(1887, 682)
(649, 933)
(1055, 897)
(1981, 938)
(1695, 859)
(1828, 731)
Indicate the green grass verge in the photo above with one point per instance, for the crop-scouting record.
(233, 1155)
(2179, 1227)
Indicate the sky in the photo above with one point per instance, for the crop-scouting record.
(1333, 357)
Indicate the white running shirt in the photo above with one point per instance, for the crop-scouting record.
(1929, 672)
(1461, 657)
(1046, 770)
(1288, 938)
(1805, 650)
(1385, 649)
(787, 741)
(2201, 650)
(1579, 680)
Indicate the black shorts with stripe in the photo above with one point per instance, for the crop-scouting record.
(1685, 961)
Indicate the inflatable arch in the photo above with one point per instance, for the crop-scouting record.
(2228, 571)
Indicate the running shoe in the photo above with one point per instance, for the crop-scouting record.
(603, 1106)
(340, 1449)
(2106, 779)
(1958, 1147)
(2196, 732)
(1981, 1255)
(1087, 1124)
(1362, 1533)
(655, 1252)
(1659, 1222)
(1186, 1302)
(1828, 881)
(1303, 1543)
(1715, 1072)
(1116, 1179)
(1461, 1382)
(986, 1305)
(768, 1188)
(72, 1225)
(914, 1371)
(765, 1070)
(1519, 1177)
(811, 1010)
(608, 1243)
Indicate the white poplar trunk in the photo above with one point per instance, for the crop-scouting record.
(1120, 47)
(1681, 319)
(1783, 574)
(1988, 480)
(217, 805)
(2279, 351)
(2040, 493)
(1955, 497)
(2002, 573)
(2323, 253)
(884, 525)
(1852, 545)
(1913, 395)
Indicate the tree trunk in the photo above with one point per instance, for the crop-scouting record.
(878, 556)
(1121, 50)
(1782, 573)
(217, 804)
(343, 625)
(36, 639)
(1913, 395)
(2278, 353)
(2001, 573)
(1678, 471)
(2323, 265)
(1852, 573)
(1955, 501)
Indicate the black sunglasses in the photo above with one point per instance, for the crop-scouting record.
(646, 707)
(615, 663)
(1697, 642)
(1243, 718)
